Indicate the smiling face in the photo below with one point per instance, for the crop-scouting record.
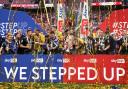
(9, 36)
(18, 35)
(101, 33)
(52, 35)
(37, 32)
(29, 32)
(124, 33)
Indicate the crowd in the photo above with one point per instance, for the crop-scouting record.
(105, 0)
(67, 42)
(20, 1)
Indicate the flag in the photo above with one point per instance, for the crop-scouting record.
(60, 16)
(78, 17)
(85, 20)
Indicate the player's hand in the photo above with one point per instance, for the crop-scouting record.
(29, 46)
(37, 43)
(7, 48)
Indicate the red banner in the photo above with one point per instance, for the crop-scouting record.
(106, 3)
(101, 69)
(117, 21)
(25, 5)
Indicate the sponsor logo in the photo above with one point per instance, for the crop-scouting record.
(59, 60)
(91, 60)
(12, 60)
(37, 60)
(66, 60)
(120, 61)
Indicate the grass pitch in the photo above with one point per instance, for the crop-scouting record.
(58, 86)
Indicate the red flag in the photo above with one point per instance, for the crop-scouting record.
(117, 21)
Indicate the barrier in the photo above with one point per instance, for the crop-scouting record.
(27, 68)
(103, 69)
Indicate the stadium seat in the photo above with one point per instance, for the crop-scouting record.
(22, 2)
(4, 1)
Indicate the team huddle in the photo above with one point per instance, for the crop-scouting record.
(67, 42)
